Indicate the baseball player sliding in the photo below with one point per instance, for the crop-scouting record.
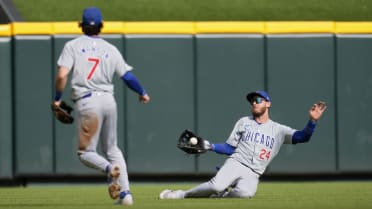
(252, 145)
(93, 63)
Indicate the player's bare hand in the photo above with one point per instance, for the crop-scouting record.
(317, 110)
(144, 98)
(57, 103)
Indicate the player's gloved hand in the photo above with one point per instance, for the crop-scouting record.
(207, 145)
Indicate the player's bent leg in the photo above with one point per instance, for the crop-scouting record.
(115, 156)
(93, 160)
(246, 187)
(109, 143)
(121, 178)
(204, 190)
(226, 176)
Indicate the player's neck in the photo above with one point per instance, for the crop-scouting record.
(262, 118)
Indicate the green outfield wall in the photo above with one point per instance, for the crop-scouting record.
(197, 74)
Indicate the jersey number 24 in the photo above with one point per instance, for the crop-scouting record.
(264, 154)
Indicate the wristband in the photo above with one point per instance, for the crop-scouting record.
(58, 96)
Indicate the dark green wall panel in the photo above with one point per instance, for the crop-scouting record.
(196, 82)
(33, 118)
(354, 99)
(227, 68)
(164, 66)
(6, 119)
(301, 72)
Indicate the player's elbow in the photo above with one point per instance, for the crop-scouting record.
(60, 77)
(62, 73)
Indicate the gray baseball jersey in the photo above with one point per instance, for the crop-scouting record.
(257, 144)
(94, 62)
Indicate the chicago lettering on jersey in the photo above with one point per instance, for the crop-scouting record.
(259, 138)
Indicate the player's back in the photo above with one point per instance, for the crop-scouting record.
(94, 62)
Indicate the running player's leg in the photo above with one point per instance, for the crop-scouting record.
(110, 142)
(88, 128)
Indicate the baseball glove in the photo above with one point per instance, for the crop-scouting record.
(191, 143)
(63, 112)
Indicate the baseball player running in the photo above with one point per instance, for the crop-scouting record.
(252, 145)
(93, 63)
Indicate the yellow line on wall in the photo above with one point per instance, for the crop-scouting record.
(203, 27)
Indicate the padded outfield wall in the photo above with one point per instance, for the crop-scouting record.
(197, 74)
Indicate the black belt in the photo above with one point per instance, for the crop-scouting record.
(83, 97)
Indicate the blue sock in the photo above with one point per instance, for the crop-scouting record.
(124, 193)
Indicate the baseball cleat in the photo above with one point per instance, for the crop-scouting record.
(170, 194)
(114, 190)
(126, 198)
(114, 186)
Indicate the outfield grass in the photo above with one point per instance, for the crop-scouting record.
(307, 195)
(198, 10)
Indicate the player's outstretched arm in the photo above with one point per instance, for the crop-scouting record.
(223, 148)
(132, 82)
(316, 111)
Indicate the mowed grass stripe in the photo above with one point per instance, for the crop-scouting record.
(306, 195)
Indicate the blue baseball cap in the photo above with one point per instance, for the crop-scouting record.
(92, 16)
(260, 93)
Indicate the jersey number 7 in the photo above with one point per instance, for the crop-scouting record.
(96, 62)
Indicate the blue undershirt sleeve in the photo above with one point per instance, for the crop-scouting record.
(223, 148)
(304, 135)
(131, 81)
